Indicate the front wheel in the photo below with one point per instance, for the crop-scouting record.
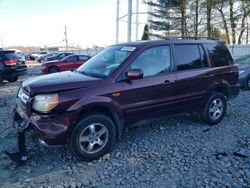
(92, 137)
(215, 108)
(12, 79)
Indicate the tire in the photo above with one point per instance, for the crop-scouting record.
(1, 80)
(97, 134)
(215, 108)
(247, 83)
(53, 69)
(13, 79)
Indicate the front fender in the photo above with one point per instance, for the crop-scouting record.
(101, 104)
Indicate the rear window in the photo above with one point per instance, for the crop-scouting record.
(10, 55)
(219, 55)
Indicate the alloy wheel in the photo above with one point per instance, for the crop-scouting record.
(93, 138)
(216, 109)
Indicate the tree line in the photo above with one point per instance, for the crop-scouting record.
(227, 20)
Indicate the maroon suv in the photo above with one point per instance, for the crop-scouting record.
(88, 109)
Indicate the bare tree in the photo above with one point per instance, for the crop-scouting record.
(220, 6)
(245, 7)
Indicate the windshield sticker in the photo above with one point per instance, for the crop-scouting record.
(128, 48)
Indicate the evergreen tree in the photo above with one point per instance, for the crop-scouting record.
(145, 35)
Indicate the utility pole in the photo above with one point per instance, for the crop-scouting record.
(117, 20)
(66, 37)
(247, 37)
(2, 42)
(137, 20)
(129, 21)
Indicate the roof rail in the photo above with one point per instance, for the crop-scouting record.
(191, 38)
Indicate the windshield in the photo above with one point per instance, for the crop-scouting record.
(243, 60)
(106, 62)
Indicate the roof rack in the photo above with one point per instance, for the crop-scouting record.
(191, 38)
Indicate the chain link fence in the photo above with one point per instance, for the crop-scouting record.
(239, 50)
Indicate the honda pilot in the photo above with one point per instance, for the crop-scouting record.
(88, 109)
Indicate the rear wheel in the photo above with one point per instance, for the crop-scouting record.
(247, 83)
(92, 137)
(215, 108)
(12, 79)
(53, 69)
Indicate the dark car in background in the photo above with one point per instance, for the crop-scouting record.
(68, 63)
(58, 56)
(244, 71)
(42, 59)
(89, 108)
(12, 66)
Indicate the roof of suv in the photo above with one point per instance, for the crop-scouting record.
(168, 41)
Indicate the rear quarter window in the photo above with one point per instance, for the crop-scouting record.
(219, 55)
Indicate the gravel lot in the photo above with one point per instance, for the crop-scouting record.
(168, 152)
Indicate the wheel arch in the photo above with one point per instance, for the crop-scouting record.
(222, 87)
(53, 66)
(110, 112)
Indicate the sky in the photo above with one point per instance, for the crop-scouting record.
(42, 22)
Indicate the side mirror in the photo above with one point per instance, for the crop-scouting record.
(134, 74)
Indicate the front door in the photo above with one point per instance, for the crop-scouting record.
(153, 95)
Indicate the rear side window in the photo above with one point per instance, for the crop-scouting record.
(83, 58)
(219, 55)
(189, 56)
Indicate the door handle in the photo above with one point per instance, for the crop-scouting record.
(208, 75)
(166, 82)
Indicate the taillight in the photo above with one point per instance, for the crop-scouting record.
(10, 62)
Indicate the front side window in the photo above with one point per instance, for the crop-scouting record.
(219, 54)
(70, 58)
(106, 62)
(153, 61)
(188, 57)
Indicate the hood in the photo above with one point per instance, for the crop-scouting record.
(243, 66)
(58, 82)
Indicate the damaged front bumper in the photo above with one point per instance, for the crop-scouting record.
(49, 130)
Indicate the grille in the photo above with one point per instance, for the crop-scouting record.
(23, 95)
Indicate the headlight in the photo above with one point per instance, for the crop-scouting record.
(241, 71)
(45, 103)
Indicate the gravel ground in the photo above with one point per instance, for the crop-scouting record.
(169, 152)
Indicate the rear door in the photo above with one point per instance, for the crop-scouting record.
(224, 69)
(192, 76)
(153, 95)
